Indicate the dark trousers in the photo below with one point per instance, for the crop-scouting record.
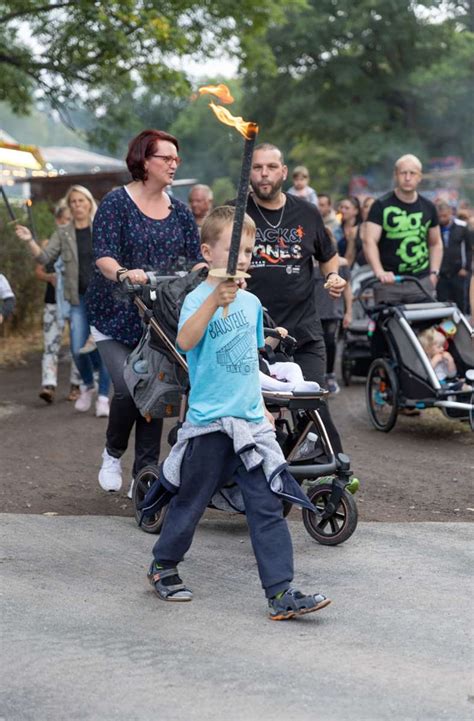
(330, 327)
(311, 357)
(124, 414)
(209, 462)
(454, 290)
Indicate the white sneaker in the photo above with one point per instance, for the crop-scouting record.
(130, 490)
(110, 474)
(84, 401)
(102, 407)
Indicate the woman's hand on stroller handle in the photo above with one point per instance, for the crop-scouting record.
(134, 280)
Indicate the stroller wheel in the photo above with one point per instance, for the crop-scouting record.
(143, 481)
(339, 526)
(381, 391)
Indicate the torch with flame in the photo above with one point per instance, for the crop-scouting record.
(31, 220)
(249, 130)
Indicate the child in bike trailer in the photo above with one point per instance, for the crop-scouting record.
(228, 432)
(442, 362)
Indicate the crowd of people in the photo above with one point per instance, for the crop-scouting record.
(300, 251)
(399, 233)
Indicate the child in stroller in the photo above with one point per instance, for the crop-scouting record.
(280, 373)
(434, 342)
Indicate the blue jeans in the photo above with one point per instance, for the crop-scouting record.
(89, 362)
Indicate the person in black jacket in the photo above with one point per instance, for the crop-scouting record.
(455, 268)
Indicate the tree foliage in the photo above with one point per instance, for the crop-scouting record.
(360, 81)
(67, 51)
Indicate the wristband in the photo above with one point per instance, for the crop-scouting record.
(434, 272)
(120, 272)
(333, 272)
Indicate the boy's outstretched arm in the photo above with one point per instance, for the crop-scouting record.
(195, 326)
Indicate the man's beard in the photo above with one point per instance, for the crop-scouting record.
(271, 194)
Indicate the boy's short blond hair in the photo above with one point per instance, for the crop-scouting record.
(220, 218)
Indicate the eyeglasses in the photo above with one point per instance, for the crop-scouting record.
(169, 159)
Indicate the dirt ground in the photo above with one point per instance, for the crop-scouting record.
(50, 455)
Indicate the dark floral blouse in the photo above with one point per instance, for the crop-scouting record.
(123, 232)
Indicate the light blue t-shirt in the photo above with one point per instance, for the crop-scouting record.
(223, 366)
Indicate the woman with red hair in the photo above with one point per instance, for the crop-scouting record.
(138, 228)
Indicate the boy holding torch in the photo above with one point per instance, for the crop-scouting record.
(228, 432)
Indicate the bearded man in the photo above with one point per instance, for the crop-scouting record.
(290, 236)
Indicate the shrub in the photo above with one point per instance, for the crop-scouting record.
(17, 264)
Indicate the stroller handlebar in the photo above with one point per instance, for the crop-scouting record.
(272, 333)
(375, 281)
(153, 279)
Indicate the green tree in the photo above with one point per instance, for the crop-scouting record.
(209, 148)
(444, 95)
(38, 128)
(66, 51)
(349, 92)
(223, 190)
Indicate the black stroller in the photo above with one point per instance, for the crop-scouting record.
(403, 377)
(300, 431)
(356, 355)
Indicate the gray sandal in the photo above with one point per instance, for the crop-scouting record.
(174, 592)
(294, 603)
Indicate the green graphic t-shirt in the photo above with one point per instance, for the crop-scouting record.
(403, 244)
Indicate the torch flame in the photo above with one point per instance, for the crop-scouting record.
(220, 91)
(248, 129)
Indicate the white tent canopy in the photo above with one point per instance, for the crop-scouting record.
(69, 160)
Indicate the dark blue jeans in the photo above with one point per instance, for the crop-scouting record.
(209, 462)
(89, 362)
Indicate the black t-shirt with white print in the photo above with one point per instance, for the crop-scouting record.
(282, 271)
(403, 245)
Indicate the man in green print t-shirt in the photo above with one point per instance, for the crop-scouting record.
(403, 238)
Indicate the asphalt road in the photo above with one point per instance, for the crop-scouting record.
(84, 636)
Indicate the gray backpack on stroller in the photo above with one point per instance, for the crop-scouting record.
(153, 381)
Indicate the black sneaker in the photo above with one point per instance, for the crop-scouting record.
(294, 603)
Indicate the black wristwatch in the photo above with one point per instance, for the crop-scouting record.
(434, 272)
(119, 273)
